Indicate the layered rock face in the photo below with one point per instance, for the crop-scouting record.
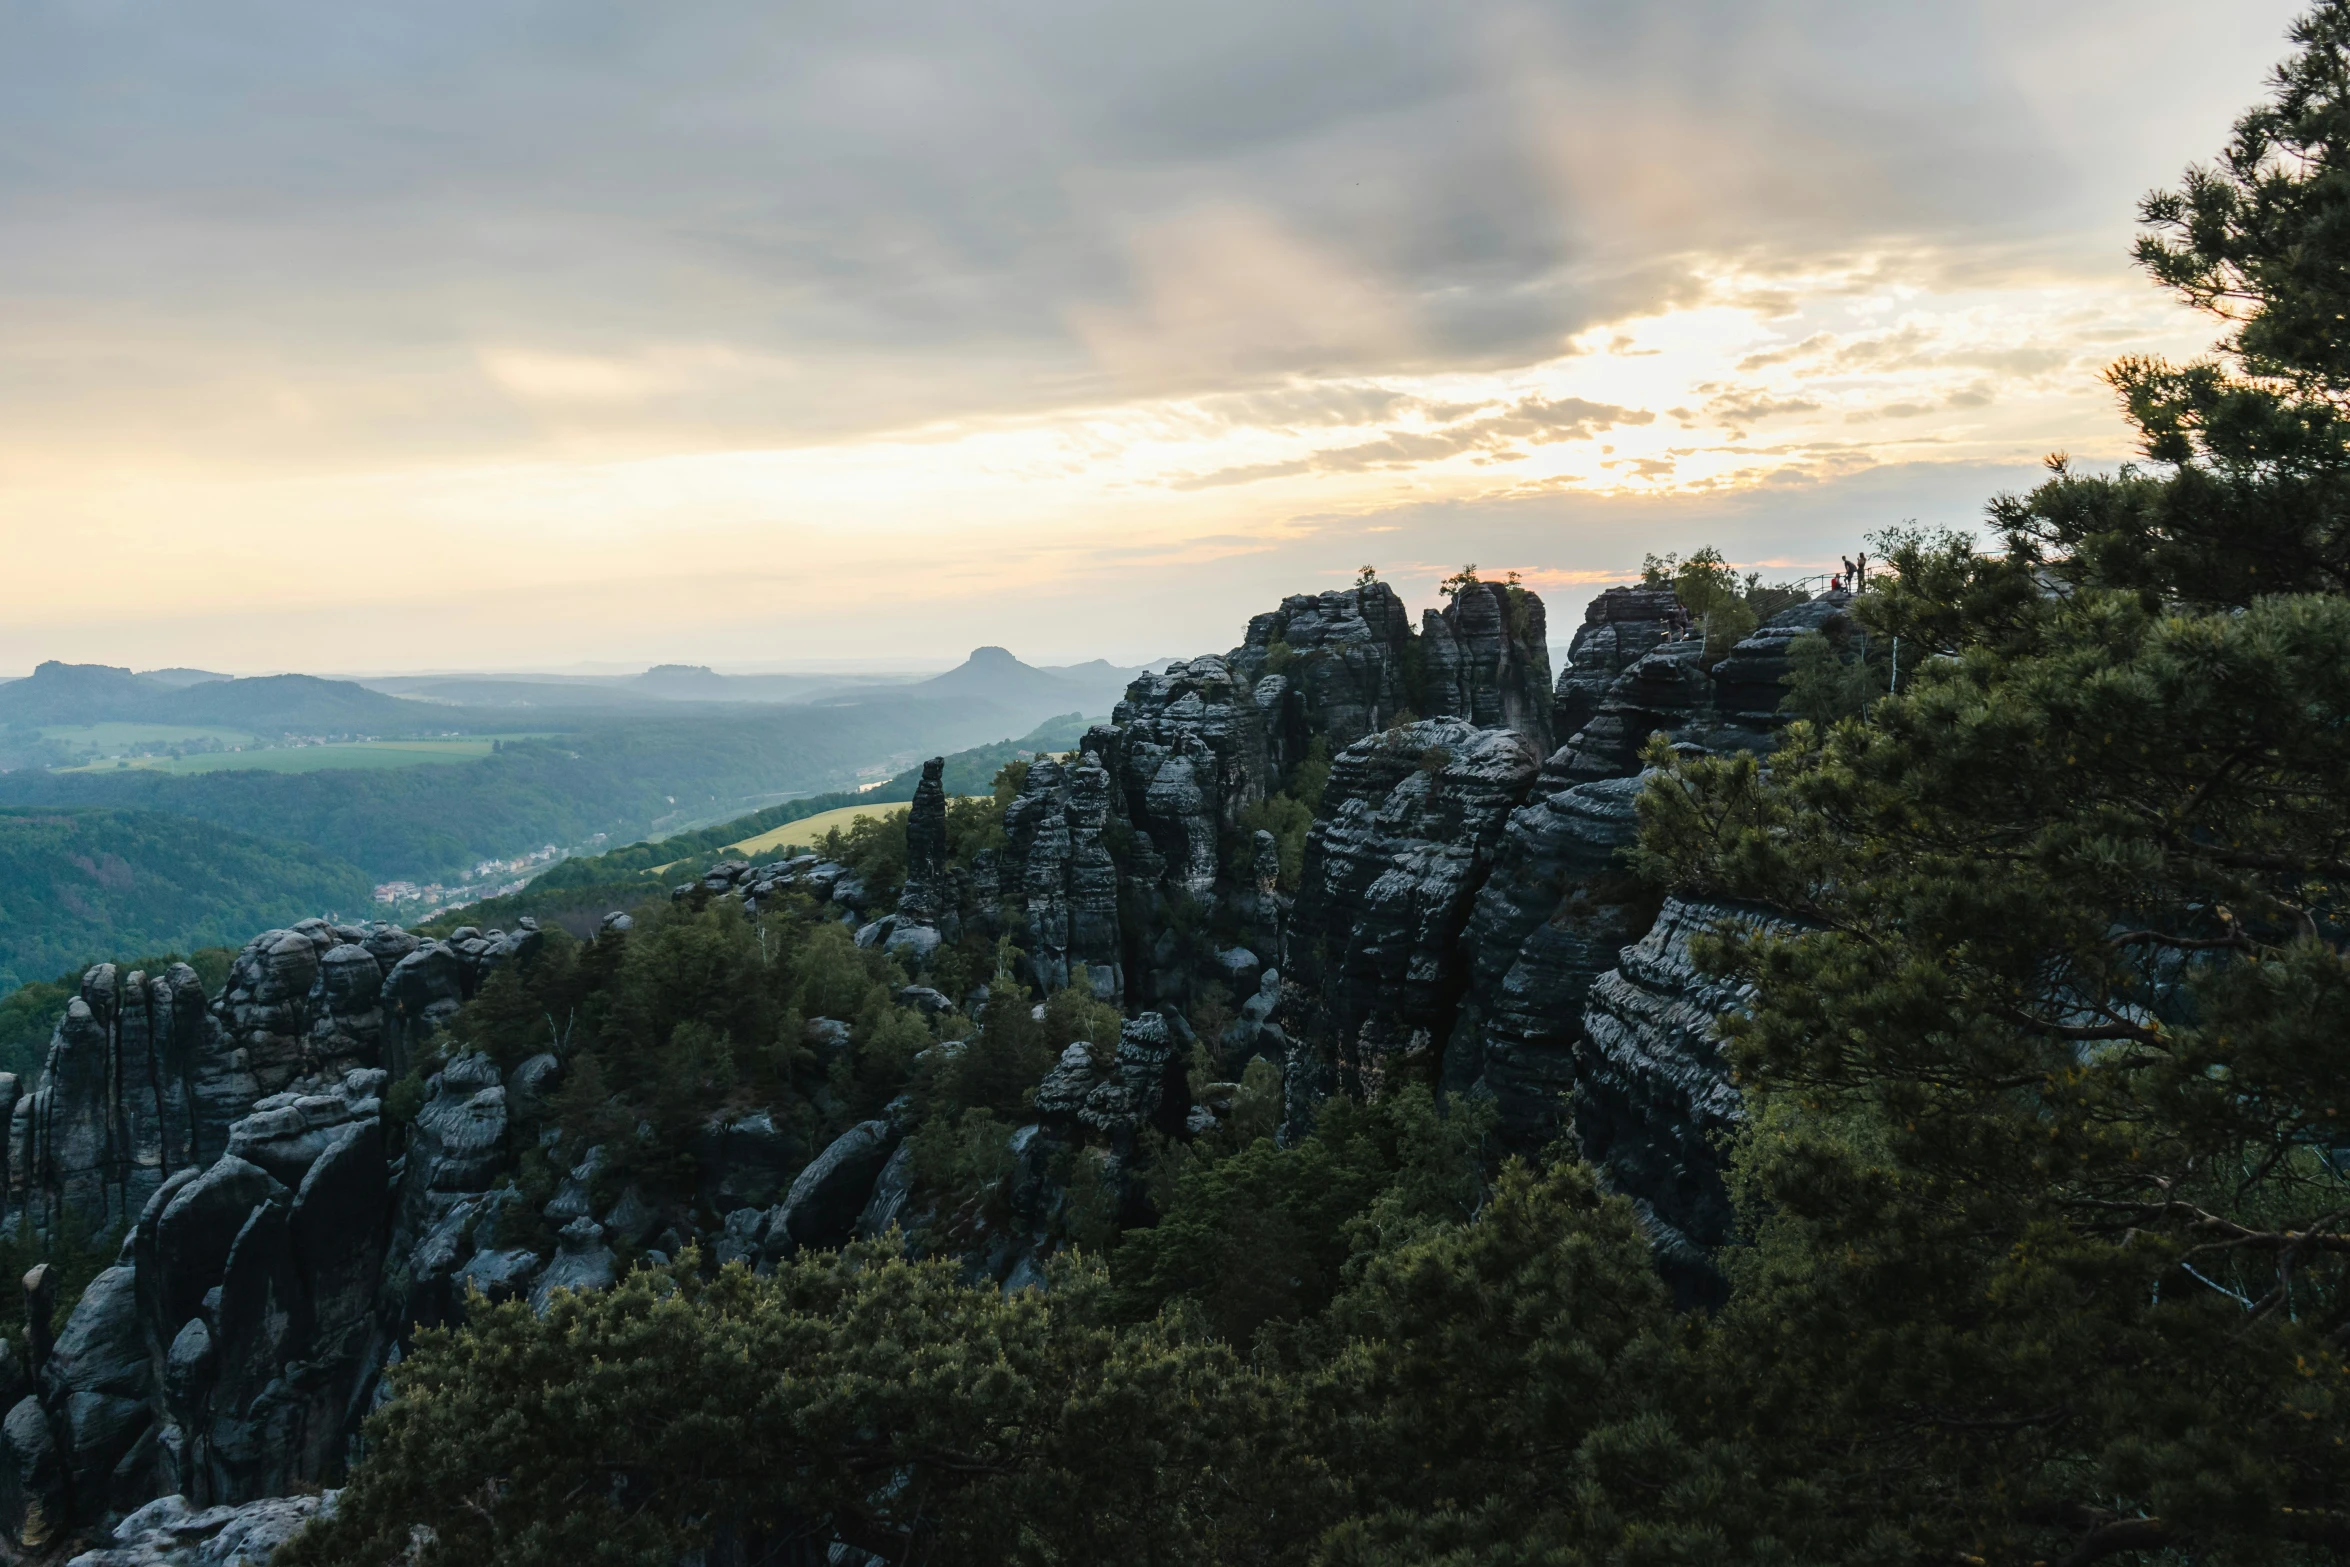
(1348, 655)
(1057, 862)
(1619, 628)
(927, 897)
(1462, 912)
(1486, 658)
(1549, 921)
(1187, 752)
(229, 1352)
(132, 1082)
(1751, 682)
(1665, 690)
(1411, 820)
(1652, 1094)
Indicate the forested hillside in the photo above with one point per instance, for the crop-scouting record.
(580, 889)
(622, 779)
(78, 885)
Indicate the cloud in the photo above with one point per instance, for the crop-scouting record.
(1748, 405)
(1501, 435)
(568, 298)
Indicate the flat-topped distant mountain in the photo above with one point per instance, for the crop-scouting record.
(60, 693)
(183, 677)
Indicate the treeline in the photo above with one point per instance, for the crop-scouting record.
(81, 885)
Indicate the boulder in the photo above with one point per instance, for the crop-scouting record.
(171, 1532)
(581, 1262)
(826, 1199)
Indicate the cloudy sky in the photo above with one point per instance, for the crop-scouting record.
(511, 334)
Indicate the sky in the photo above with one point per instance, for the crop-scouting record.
(545, 333)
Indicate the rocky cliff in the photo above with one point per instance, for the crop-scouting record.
(1461, 914)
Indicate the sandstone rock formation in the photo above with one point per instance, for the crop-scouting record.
(1549, 920)
(1619, 628)
(1348, 655)
(1486, 658)
(1411, 820)
(1462, 914)
(1058, 864)
(1651, 1092)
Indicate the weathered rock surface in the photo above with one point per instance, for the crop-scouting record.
(1666, 692)
(1412, 819)
(926, 897)
(1652, 1092)
(1549, 920)
(172, 1532)
(1347, 655)
(1057, 862)
(1487, 659)
(1751, 682)
(830, 1195)
(1620, 627)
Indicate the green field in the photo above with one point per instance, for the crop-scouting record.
(806, 830)
(309, 758)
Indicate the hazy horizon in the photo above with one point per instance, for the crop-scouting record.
(508, 337)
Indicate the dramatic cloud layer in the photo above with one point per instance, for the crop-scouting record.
(525, 333)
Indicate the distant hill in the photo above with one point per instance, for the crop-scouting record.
(992, 674)
(622, 776)
(661, 685)
(538, 696)
(77, 886)
(577, 892)
(59, 693)
(182, 677)
(692, 682)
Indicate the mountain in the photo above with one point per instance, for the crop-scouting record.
(182, 677)
(292, 703)
(660, 685)
(56, 693)
(60, 693)
(699, 683)
(992, 674)
(691, 682)
(80, 885)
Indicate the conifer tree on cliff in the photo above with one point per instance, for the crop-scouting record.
(2052, 1086)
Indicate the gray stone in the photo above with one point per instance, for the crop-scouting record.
(1413, 818)
(1652, 1096)
(891, 1189)
(633, 1219)
(581, 1262)
(500, 1275)
(530, 1088)
(826, 1199)
(926, 899)
(171, 1532)
(913, 944)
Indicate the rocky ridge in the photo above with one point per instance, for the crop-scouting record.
(1460, 915)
